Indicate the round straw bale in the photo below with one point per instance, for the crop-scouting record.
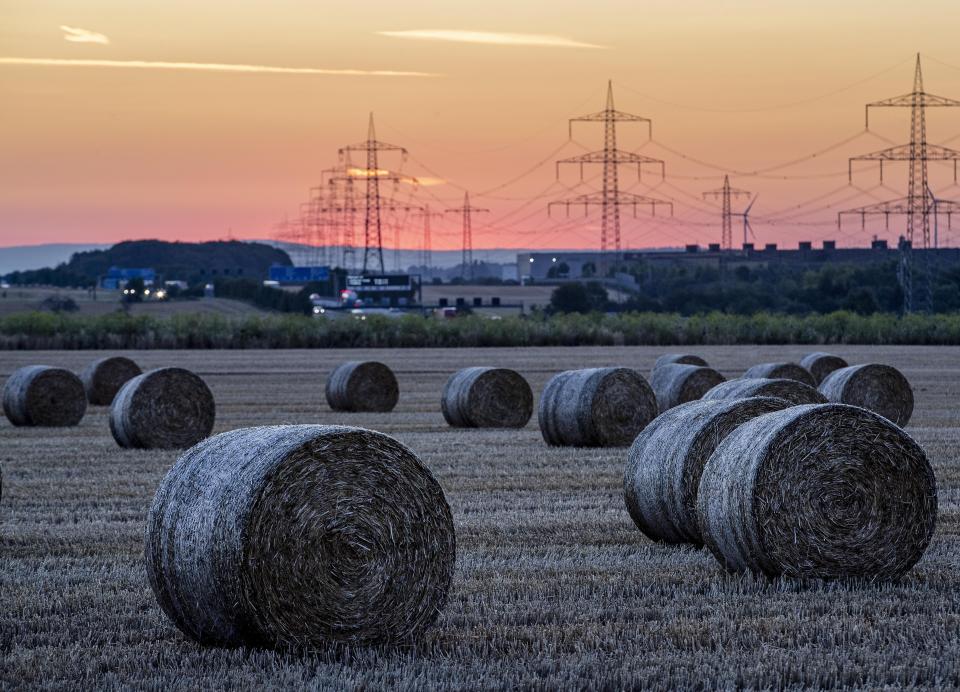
(789, 371)
(667, 459)
(821, 364)
(167, 408)
(676, 384)
(879, 388)
(822, 491)
(103, 378)
(44, 396)
(487, 398)
(300, 535)
(596, 407)
(357, 386)
(790, 390)
(681, 358)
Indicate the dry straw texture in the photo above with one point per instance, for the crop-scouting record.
(773, 371)
(822, 491)
(667, 459)
(596, 407)
(300, 535)
(879, 388)
(168, 408)
(44, 396)
(357, 386)
(790, 390)
(681, 358)
(487, 398)
(821, 364)
(103, 378)
(677, 384)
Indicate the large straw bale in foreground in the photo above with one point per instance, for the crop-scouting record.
(300, 535)
(667, 459)
(821, 491)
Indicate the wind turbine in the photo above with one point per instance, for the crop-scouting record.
(935, 206)
(745, 215)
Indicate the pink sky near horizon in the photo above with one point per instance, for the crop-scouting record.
(102, 154)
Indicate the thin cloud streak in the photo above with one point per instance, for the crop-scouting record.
(490, 37)
(207, 67)
(77, 35)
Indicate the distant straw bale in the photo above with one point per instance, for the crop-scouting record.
(596, 407)
(40, 395)
(790, 390)
(300, 536)
(167, 408)
(482, 397)
(679, 358)
(677, 384)
(773, 371)
(879, 388)
(103, 378)
(362, 386)
(821, 491)
(667, 459)
(822, 364)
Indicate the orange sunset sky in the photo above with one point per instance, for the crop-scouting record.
(104, 152)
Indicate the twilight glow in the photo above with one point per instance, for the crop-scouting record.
(174, 123)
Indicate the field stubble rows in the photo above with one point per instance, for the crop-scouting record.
(554, 585)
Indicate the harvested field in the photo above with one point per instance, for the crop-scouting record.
(554, 585)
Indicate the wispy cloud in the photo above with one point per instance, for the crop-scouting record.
(77, 35)
(356, 172)
(208, 67)
(490, 37)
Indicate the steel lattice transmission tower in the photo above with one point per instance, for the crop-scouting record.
(611, 198)
(372, 223)
(426, 250)
(917, 206)
(466, 271)
(726, 195)
(341, 209)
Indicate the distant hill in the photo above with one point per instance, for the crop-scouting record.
(443, 259)
(191, 262)
(23, 257)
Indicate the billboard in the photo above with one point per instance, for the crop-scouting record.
(298, 275)
(380, 283)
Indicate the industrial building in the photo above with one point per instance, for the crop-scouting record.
(546, 266)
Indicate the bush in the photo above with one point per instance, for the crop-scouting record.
(46, 330)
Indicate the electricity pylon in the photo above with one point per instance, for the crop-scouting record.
(726, 193)
(611, 198)
(466, 270)
(916, 206)
(372, 224)
(426, 251)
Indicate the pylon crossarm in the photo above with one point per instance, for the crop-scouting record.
(901, 152)
(910, 100)
(897, 206)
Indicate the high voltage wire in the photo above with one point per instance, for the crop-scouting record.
(504, 147)
(784, 216)
(772, 107)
